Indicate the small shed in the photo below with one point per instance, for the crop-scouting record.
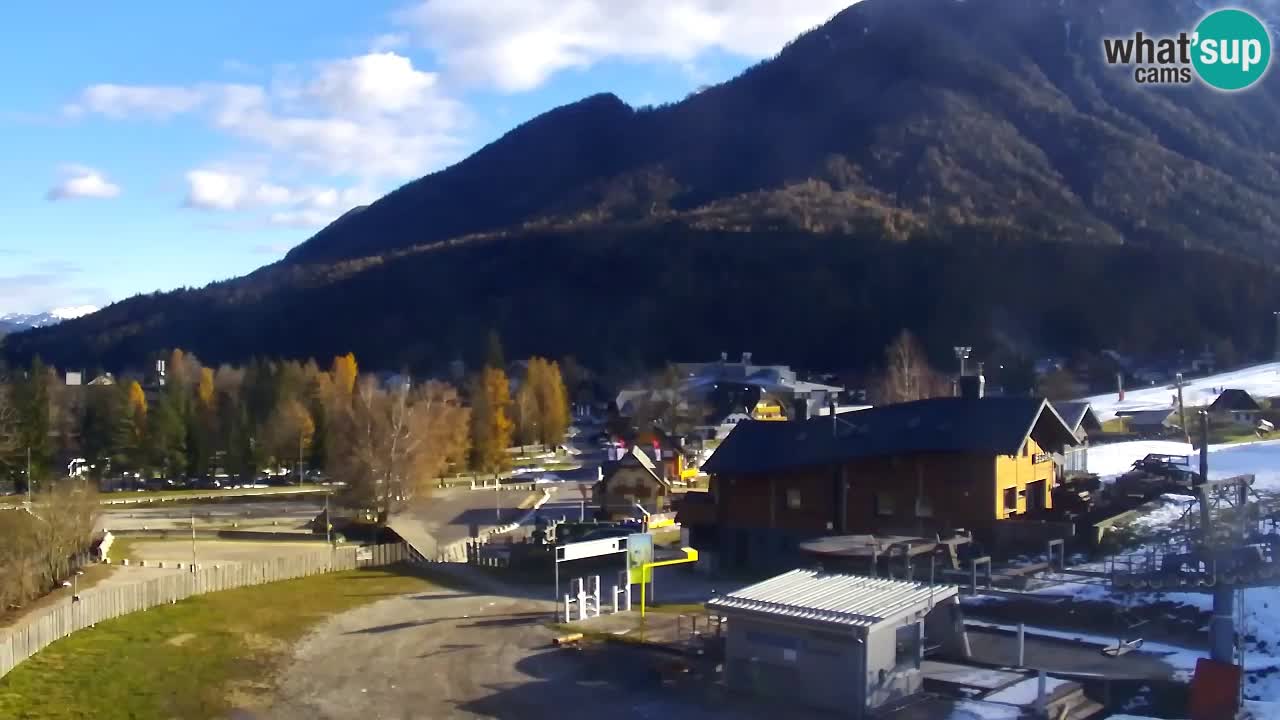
(1236, 406)
(847, 643)
(1150, 422)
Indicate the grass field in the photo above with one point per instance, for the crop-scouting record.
(195, 659)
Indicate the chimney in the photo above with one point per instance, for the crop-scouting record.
(724, 357)
(1120, 386)
(746, 358)
(973, 386)
(835, 424)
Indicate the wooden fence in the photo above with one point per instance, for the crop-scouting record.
(34, 633)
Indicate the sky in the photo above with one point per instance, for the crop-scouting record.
(151, 146)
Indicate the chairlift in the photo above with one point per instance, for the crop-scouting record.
(1128, 639)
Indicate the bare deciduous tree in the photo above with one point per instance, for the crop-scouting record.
(907, 374)
(390, 445)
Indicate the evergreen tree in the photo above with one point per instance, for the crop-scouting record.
(494, 357)
(31, 396)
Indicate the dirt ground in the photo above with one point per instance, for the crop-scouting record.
(458, 654)
(216, 550)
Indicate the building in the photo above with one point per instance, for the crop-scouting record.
(845, 643)
(1080, 418)
(1236, 406)
(635, 479)
(1150, 423)
(930, 466)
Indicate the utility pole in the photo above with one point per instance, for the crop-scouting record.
(28, 476)
(193, 541)
(1182, 410)
(1277, 316)
(328, 526)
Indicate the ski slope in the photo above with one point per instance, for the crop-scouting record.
(1261, 459)
(1260, 381)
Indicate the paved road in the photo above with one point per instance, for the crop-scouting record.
(452, 654)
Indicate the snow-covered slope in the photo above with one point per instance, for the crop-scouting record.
(1261, 459)
(1260, 381)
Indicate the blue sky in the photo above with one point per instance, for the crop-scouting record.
(149, 146)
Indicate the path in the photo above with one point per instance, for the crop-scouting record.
(456, 654)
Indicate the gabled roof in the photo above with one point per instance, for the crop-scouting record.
(995, 425)
(644, 461)
(1078, 415)
(1149, 417)
(1233, 399)
(833, 599)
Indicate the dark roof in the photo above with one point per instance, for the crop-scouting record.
(1077, 414)
(1232, 399)
(642, 459)
(995, 425)
(1149, 417)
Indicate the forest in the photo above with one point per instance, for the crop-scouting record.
(387, 437)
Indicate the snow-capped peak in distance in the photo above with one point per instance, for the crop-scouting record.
(14, 322)
(73, 311)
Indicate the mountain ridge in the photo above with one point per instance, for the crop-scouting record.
(966, 131)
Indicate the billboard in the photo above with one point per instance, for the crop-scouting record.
(639, 553)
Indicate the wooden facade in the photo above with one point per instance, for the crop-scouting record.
(908, 489)
(632, 480)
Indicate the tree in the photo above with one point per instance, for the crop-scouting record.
(291, 432)
(1058, 385)
(10, 439)
(166, 435)
(104, 409)
(494, 357)
(907, 374)
(31, 397)
(491, 426)
(551, 400)
(392, 444)
(345, 371)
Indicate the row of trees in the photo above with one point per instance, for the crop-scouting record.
(380, 435)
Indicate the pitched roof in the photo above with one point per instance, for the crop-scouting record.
(996, 425)
(645, 462)
(1149, 417)
(832, 598)
(1077, 414)
(1233, 399)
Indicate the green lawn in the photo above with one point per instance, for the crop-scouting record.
(195, 659)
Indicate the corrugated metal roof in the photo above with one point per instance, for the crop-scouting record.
(851, 600)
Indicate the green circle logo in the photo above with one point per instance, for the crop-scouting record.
(1232, 49)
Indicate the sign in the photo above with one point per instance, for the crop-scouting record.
(591, 548)
(639, 554)
(364, 553)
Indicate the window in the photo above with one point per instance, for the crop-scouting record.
(1011, 500)
(793, 499)
(884, 503)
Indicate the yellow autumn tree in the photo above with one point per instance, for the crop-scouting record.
(137, 402)
(206, 391)
(491, 424)
(345, 371)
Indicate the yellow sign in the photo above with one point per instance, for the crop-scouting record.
(690, 555)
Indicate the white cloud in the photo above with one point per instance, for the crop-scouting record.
(306, 207)
(517, 44)
(119, 101)
(78, 181)
(375, 83)
(370, 116)
(222, 190)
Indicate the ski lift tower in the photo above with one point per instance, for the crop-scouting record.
(1227, 544)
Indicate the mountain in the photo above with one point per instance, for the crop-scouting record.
(16, 322)
(968, 169)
